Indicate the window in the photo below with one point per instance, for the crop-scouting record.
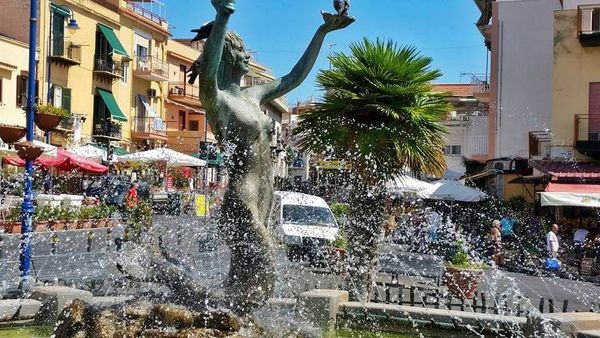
(452, 150)
(182, 120)
(22, 91)
(596, 19)
(194, 125)
(103, 52)
(124, 72)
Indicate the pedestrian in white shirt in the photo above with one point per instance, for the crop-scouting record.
(552, 241)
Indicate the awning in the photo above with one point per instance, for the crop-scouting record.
(59, 10)
(112, 105)
(199, 111)
(116, 150)
(113, 41)
(64, 161)
(573, 195)
(530, 179)
(566, 171)
(149, 110)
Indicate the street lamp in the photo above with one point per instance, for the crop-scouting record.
(27, 207)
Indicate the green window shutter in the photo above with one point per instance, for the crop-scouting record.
(66, 99)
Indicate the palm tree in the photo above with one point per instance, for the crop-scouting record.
(379, 114)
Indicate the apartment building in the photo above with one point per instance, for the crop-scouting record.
(467, 126)
(103, 61)
(576, 82)
(13, 80)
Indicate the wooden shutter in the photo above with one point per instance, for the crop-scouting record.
(0, 90)
(594, 107)
(66, 99)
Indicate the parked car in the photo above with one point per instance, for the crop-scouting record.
(304, 223)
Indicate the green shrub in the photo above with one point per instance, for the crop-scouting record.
(340, 210)
(461, 260)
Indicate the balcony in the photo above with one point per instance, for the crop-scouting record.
(151, 68)
(107, 130)
(540, 144)
(184, 93)
(481, 87)
(108, 68)
(65, 52)
(587, 135)
(588, 23)
(151, 10)
(149, 128)
(66, 124)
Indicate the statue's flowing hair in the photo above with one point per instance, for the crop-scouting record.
(233, 42)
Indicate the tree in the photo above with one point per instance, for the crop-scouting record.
(380, 115)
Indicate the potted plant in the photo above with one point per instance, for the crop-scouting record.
(85, 216)
(99, 218)
(11, 134)
(48, 117)
(12, 222)
(28, 150)
(462, 276)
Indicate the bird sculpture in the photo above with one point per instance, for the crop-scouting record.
(341, 6)
(203, 32)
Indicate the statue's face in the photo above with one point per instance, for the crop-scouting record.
(242, 59)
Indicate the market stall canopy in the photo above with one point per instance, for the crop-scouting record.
(173, 158)
(48, 149)
(573, 195)
(89, 152)
(452, 191)
(406, 184)
(64, 161)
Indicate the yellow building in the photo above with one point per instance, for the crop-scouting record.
(13, 80)
(110, 72)
(576, 83)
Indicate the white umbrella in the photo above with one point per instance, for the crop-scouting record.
(47, 149)
(452, 191)
(406, 184)
(89, 152)
(173, 158)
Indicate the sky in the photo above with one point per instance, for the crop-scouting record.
(278, 31)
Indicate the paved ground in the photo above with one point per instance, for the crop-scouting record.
(196, 243)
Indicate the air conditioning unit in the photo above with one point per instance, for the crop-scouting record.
(499, 166)
(152, 92)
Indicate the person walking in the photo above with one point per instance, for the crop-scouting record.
(132, 199)
(552, 241)
(496, 242)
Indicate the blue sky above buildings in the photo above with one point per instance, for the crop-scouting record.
(278, 31)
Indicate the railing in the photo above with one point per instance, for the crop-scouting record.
(588, 19)
(144, 12)
(151, 64)
(108, 65)
(478, 145)
(540, 143)
(583, 130)
(109, 129)
(184, 89)
(480, 83)
(149, 125)
(67, 123)
(67, 49)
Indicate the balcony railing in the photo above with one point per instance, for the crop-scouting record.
(586, 135)
(480, 83)
(540, 143)
(67, 123)
(66, 52)
(182, 89)
(151, 68)
(148, 13)
(107, 129)
(149, 125)
(588, 18)
(106, 66)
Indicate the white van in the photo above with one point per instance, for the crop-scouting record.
(303, 222)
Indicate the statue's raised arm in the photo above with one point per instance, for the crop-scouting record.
(289, 82)
(208, 65)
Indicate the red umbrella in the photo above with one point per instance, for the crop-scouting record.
(64, 161)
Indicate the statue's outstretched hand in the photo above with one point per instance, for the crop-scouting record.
(225, 6)
(334, 22)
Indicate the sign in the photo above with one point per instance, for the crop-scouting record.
(200, 205)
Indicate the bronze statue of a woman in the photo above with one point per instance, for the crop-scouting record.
(236, 117)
